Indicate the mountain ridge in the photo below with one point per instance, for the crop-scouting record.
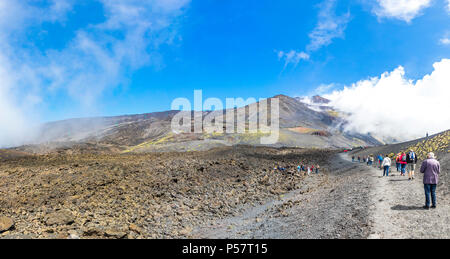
(300, 126)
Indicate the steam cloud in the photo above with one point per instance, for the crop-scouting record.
(99, 56)
(394, 107)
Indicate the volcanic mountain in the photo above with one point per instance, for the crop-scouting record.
(302, 124)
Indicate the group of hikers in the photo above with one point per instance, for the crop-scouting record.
(307, 170)
(406, 164)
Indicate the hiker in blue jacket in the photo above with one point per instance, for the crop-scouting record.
(380, 161)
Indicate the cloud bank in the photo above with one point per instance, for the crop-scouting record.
(394, 107)
(405, 10)
(99, 57)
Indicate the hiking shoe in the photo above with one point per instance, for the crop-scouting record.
(426, 207)
(433, 207)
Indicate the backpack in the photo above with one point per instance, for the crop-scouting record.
(412, 156)
(404, 158)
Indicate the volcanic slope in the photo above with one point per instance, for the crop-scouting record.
(301, 125)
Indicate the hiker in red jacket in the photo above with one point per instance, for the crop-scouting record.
(397, 162)
(404, 163)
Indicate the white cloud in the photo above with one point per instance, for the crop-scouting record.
(99, 57)
(448, 5)
(292, 57)
(445, 41)
(329, 26)
(405, 10)
(392, 106)
(323, 89)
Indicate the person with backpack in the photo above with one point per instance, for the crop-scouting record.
(403, 162)
(411, 159)
(397, 162)
(430, 169)
(380, 161)
(386, 165)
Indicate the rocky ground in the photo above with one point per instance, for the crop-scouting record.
(334, 205)
(352, 201)
(165, 195)
(231, 192)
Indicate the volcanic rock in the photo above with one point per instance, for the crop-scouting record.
(6, 224)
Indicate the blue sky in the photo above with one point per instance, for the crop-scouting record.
(64, 58)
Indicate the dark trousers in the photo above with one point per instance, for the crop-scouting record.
(403, 168)
(430, 189)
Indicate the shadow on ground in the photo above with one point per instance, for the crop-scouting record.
(403, 207)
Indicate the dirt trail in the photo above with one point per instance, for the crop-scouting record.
(353, 201)
(397, 213)
(337, 207)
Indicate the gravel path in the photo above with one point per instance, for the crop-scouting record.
(337, 208)
(353, 201)
(397, 213)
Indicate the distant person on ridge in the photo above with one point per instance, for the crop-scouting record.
(353, 158)
(386, 165)
(411, 159)
(431, 169)
(403, 162)
(359, 159)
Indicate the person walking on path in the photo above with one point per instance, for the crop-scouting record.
(397, 162)
(386, 165)
(317, 169)
(359, 159)
(403, 163)
(380, 161)
(430, 169)
(353, 159)
(411, 159)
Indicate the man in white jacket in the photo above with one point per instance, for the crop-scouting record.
(386, 165)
